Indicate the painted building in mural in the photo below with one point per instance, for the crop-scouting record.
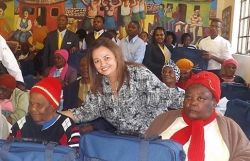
(180, 16)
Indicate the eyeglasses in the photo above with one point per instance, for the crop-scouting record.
(214, 26)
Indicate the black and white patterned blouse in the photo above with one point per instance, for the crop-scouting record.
(136, 106)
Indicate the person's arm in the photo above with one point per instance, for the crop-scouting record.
(207, 55)
(7, 26)
(18, 23)
(9, 61)
(73, 136)
(140, 53)
(88, 111)
(148, 58)
(85, 3)
(21, 105)
(75, 45)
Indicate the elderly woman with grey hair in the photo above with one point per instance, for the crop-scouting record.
(170, 74)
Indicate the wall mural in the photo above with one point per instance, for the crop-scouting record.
(33, 19)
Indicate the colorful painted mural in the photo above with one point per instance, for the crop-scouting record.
(33, 19)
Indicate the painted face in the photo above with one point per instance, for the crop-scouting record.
(185, 74)
(215, 28)
(144, 37)
(62, 22)
(98, 24)
(5, 92)
(187, 41)
(25, 14)
(1, 12)
(168, 76)
(83, 68)
(230, 70)
(59, 61)
(35, 23)
(40, 109)
(105, 62)
(199, 102)
(133, 29)
(159, 36)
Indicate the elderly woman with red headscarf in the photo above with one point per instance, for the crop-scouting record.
(204, 134)
(61, 70)
(230, 66)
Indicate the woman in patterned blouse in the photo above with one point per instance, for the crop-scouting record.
(128, 95)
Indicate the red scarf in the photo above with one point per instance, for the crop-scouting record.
(196, 150)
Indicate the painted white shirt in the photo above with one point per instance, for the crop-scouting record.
(218, 47)
(215, 147)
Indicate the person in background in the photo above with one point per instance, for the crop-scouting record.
(74, 93)
(204, 134)
(13, 101)
(175, 18)
(186, 73)
(61, 70)
(123, 93)
(5, 29)
(170, 75)
(170, 40)
(61, 38)
(133, 48)
(157, 53)
(10, 63)
(43, 121)
(216, 47)
(144, 36)
(230, 66)
(186, 41)
(114, 34)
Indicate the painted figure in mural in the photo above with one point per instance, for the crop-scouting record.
(193, 24)
(91, 12)
(3, 23)
(135, 11)
(109, 8)
(125, 17)
(23, 26)
(39, 33)
(143, 11)
(163, 16)
(172, 22)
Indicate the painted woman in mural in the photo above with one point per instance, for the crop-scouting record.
(39, 31)
(135, 11)
(109, 8)
(124, 17)
(5, 29)
(91, 11)
(23, 26)
(143, 12)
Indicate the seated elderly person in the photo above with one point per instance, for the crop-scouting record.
(230, 66)
(170, 75)
(61, 70)
(74, 94)
(185, 67)
(43, 121)
(14, 102)
(204, 134)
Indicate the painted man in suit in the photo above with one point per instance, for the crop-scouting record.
(70, 41)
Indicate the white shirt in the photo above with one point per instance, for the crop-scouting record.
(218, 47)
(9, 61)
(215, 147)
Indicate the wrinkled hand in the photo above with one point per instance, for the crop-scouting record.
(206, 55)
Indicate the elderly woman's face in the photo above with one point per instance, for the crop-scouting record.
(40, 109)
(59, 61)
(5, 92)
(105, 61)
(168, 76)
(230, 70)
(199, 102)
(83, 68)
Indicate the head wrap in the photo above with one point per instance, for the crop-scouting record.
(64, 53)
(184, 64)
(175, 68)
(26, 8)
(50, 88)
(3, 6)
(207, 79)
(230, 61)
(8, 80)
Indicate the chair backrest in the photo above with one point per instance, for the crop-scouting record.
(235, 91)
(238, 110)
